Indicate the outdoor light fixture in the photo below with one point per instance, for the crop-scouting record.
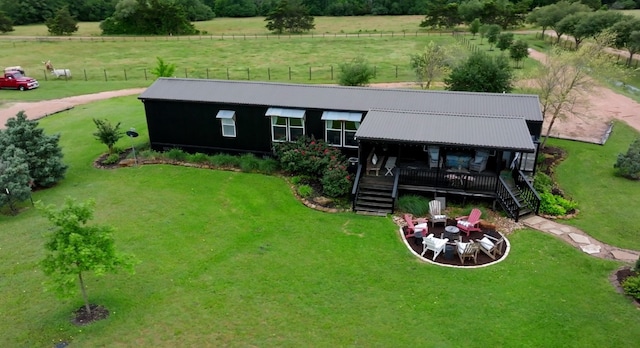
(131, 133)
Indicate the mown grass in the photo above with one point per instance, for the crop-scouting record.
(608, 203)
(232, 259)
(256, 25)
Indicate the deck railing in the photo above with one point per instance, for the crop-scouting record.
(507, 199)
(394, 192)
(529, 195)
(356, 186)
(447, 179)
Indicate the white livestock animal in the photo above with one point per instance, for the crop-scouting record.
(57, 72)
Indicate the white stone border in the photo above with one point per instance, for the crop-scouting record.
(424, 259)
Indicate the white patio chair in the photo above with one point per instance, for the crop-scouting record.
(434, 244)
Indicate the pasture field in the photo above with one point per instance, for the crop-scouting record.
(233, 259)
(285, 59)
(256, 25)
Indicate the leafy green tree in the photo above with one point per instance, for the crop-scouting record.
(292, 16)
(483, 31)
(163, 69)
(593, 24)
(149, 17)
(6, 24)
(564, 80)
(14, 176)
(43, 153)
(519, 51)
(470, 10)
(481, 73)
(441, 14)
(358, 72)
(627, 36)
(196, 10)
(30, 11)
(505, 40)
(550, 16)
(431, 64)
(62, 23)
(474, 27)
(235, 8)
(74, 248)
(107, 133)
(492, 35)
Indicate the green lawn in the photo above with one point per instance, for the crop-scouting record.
(232, 259)
(608, 204)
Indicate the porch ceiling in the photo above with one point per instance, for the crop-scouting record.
(447, 129)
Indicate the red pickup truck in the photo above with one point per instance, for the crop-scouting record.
(15, 80)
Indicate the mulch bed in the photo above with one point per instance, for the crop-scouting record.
(82, 317)
(439, 229)
(620, 277)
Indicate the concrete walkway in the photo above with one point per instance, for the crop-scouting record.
(581, 240)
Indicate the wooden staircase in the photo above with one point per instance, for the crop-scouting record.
(374, 196)
(526, 210)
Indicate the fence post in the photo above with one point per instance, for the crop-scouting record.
(396, 71)
(125, 74)
(45, 74)
(309, 73)
(227, 73)
(269, 73)
(207, 73)
(289, 73)
(145, 74)
(375, 71)
(248, 75)
(185, 73)
(332, 73)
(85, 74)
(105, 74)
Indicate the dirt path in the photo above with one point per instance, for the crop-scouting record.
(36, 110)
(590, 121)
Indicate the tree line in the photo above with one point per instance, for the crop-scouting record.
(23, 12)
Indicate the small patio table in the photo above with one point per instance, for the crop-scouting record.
(452, 233)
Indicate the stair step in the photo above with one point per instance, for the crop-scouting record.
(372, 213)
(385, 205)
(375, 198)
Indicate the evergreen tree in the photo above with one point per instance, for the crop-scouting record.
(14, 176)
(6, 24)
(62, 23)
(43, 153)
(519, 51)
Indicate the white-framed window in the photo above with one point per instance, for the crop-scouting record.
(286, 124)
(341, 127)
(227, 122)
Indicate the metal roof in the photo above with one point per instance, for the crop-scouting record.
(293, 113)
(447, 129)
(343, 98)
(341, 116)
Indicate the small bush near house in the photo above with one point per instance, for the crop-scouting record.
(268, 166)
(249, 163)
(631, 287)
(413, 204)
(198, 158)
(112, 159)
(551, 204)
(305, 191)
(542, 182)
(176, 155)
(225, 160)
(628, 165)
(336, 181)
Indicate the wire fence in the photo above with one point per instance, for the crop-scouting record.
(320, 74)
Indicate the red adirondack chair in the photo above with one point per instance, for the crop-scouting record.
(470, 223)
(411, 225)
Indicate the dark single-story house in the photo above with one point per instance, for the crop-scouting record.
(448, 143)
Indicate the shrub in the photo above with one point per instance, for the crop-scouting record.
(249, 163)
(542, 182)
(306, 156)
(336, 181)
(413, 204)
(150, 154)
(225, 160)
(631, 286)
(636, 267)
(176, 154)
(358, 72)
(305, 191)
(112, 159)
(198, 158)
(628, 165)
(268, 166)
(551, 204)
